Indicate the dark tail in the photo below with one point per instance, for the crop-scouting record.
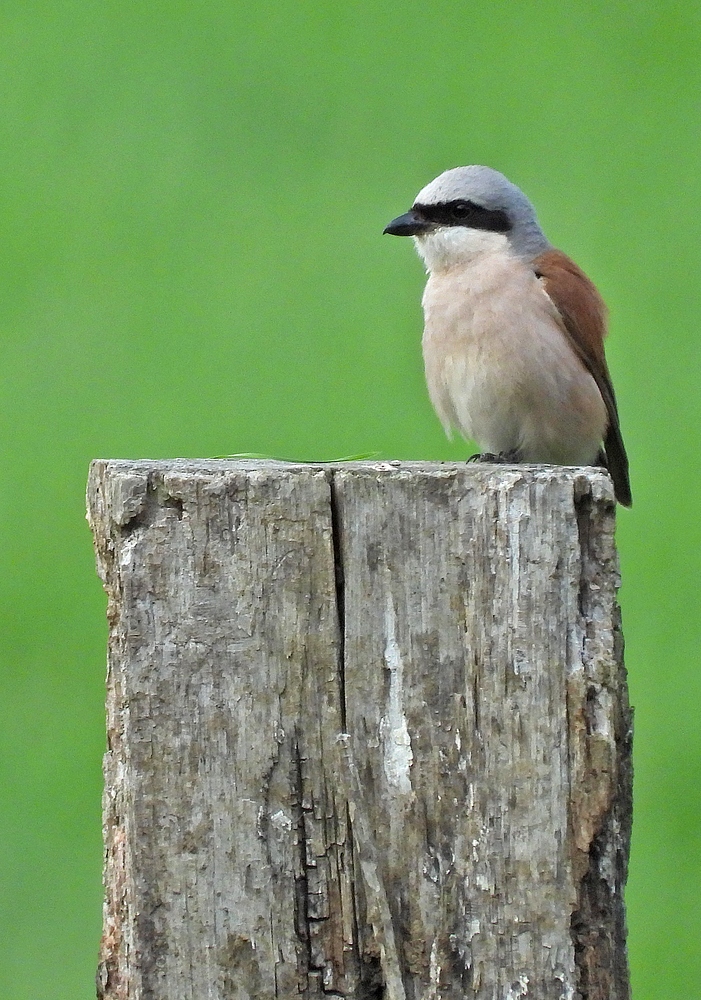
(613, 457)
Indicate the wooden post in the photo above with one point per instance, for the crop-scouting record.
(368, 732)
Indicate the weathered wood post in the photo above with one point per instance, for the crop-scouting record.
(368, 732)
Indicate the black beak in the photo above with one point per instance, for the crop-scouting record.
(409, 224)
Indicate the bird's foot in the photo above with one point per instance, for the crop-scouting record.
(503, 458)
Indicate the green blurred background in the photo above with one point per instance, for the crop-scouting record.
(193, 197)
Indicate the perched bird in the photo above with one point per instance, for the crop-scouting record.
(514, 330)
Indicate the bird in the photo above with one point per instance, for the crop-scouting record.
(513, 340)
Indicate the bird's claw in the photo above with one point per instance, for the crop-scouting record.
(503, 458)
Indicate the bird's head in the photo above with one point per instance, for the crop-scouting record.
(467, 211)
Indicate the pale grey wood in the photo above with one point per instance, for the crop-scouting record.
(368, 732)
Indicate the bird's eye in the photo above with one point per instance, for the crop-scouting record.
(460, 209)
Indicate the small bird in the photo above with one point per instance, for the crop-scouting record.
(514, 330)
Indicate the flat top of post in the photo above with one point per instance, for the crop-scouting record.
(588, 479)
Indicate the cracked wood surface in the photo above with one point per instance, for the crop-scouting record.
(368, 732)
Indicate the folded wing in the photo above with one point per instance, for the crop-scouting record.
(583, 315)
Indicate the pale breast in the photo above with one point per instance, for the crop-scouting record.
(499, 368)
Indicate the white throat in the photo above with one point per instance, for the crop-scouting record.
(455, 246)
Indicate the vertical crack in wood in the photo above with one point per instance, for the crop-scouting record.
(301, 901)
(367, 910)
(337, 538)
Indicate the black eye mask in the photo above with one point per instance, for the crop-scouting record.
(464, 213)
